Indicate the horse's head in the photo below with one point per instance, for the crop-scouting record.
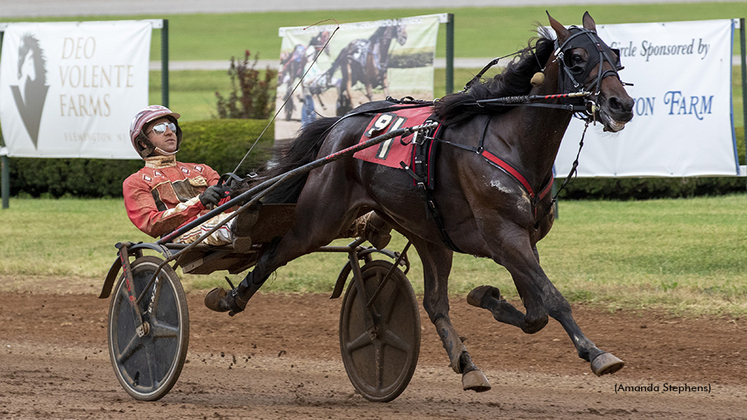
(401, 34)
(586, 63)
(23, 56)
(319, 42)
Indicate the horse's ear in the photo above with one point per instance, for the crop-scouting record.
(559, 29)
(589, 22)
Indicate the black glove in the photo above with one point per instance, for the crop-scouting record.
(211, 196)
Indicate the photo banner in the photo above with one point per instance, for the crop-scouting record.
(683, 122)
(363, 61)
(70, 89)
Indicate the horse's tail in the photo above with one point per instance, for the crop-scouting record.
(304, 149)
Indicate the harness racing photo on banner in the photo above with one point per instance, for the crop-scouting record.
(328, 70)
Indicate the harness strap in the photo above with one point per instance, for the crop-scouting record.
(422, 176)
(507, 168)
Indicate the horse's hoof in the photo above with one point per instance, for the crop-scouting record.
(475, 380)
(481, 294)
(606, 363)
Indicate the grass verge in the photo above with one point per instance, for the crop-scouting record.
(684, 256)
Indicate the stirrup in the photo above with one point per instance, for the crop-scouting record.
(234, 302)
(233, 294)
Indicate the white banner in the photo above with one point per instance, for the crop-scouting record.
(396, 53)
(683, 124)
(70, 89)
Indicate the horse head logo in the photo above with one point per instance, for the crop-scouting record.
(31, 91)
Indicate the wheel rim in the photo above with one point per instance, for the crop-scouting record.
(381, 359)
(148, 366)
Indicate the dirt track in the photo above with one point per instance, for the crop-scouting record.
(280, 360)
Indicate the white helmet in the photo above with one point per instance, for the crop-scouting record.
(145, 116)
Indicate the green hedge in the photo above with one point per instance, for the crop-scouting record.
(218, 143)
(222, 143)
(411, 58)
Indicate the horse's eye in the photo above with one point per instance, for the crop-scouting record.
(576, 62)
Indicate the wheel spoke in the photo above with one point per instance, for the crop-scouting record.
(152, 365)
(135, 344)
(157, 286)
(379, 356)
(390, 304)
(159, 330)
(392, 340)
(358, 343)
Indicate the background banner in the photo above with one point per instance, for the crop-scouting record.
(70, 89)
(683, 123)
(363, 61)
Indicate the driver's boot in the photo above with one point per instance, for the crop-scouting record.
(232, 301)
(371, 227)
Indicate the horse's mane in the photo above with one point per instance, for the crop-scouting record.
(513, 81)
(302, 150)
(380, 32)
(30, 43)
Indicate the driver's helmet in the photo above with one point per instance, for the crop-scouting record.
(145, 116)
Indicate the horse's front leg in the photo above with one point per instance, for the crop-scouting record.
(385, 83)
(436, 268)
(540, 298)
(558, 307)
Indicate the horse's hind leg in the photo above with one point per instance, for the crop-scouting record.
(436, 268)
(318, 220)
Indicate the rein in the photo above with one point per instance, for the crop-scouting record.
(292, 91)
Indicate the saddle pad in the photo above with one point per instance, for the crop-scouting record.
(397, 149)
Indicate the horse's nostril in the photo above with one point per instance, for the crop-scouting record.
(615, 104)
(618, 105)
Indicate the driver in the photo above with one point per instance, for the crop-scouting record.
(165, 193)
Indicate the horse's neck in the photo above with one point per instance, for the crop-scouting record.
(537, 133)
(384, 46)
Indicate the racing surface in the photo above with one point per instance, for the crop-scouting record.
(280, 359)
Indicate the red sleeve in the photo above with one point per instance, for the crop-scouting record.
(142, 211)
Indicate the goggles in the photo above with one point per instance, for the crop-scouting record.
(160, 128)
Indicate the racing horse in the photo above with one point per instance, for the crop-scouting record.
(366, 61)
(293, 65)
(493, 168)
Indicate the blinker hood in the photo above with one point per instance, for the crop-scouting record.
(572, 78)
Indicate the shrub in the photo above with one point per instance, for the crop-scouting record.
(251, 96)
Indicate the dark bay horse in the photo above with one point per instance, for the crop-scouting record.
(487, 210)
(366, 61)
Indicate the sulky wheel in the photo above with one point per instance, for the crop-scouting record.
(380, 354)
(148, 366)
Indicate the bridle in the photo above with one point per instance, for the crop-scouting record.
(573, 94)
(589, 41)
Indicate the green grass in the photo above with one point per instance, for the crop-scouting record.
(685, 256)
(479, 32)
